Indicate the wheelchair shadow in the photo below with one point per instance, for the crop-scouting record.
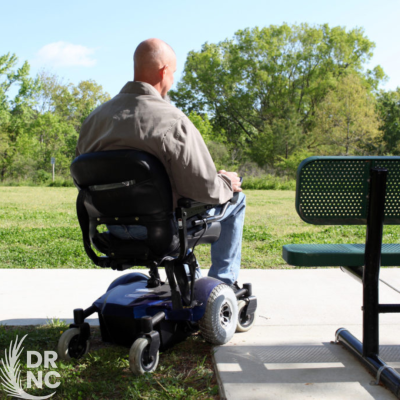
(326, 371)
(43, 321)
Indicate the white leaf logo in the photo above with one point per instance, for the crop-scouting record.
(11, 373)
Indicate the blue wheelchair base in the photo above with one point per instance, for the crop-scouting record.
(128, 302)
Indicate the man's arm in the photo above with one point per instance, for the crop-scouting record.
(235, 180)
(192, 170)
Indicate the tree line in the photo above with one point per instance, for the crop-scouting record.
(276, 95)
(40, 118)
(263, 101)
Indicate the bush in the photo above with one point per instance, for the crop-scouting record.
(268, 182)
(42, 176)
(289, 165)
(60, 182)
(251, 169)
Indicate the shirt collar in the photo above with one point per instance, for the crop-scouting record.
(140, 88)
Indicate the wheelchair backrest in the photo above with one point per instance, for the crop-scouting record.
(127, 187)
(124, 183)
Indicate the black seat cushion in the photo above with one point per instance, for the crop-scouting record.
(113, 246)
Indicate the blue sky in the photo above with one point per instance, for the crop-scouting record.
(88, 39)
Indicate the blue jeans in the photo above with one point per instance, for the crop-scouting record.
(226, 252)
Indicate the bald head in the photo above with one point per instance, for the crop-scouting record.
(151, 55)
(155, 63)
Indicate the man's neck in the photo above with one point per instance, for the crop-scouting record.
(156, 85)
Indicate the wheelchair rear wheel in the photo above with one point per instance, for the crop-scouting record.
(220, 319)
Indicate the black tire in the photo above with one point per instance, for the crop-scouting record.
(245, 321)
(219, 322)
(68, 345)
(138, 355)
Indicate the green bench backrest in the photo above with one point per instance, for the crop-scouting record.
(334, 190)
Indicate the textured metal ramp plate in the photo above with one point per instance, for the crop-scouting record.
(390, 354)
(295, 354)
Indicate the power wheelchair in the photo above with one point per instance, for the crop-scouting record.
(129, 187)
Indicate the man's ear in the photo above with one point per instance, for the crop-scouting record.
(163, 71)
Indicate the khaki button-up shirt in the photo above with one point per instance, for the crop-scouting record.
(138, 118)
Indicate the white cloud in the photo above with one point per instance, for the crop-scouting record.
(63, 54)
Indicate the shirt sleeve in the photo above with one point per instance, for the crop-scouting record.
(192, 170)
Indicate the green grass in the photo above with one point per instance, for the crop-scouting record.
(184, 372)
(39, 229)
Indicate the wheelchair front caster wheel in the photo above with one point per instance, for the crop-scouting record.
(69, 347)
(245, 321)
(139, 358)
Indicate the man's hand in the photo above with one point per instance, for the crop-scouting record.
(233, 176)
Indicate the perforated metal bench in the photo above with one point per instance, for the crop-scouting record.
(353, 191)
(334, 191)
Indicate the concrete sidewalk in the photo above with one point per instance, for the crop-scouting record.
(289, 354)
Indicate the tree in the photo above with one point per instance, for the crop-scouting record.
(389, 110)
(87, 96)
(53, 137)
(62, 110)
(346, 120)
(17, 113)
(71, 103)
(41, 121)
(262, 87)
(203, 125)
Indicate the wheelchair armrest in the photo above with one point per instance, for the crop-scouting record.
(211, 218)
(187, 203)
(187, 209)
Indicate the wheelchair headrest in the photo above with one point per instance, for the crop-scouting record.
(123, 183)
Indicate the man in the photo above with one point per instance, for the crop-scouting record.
(140, 118)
